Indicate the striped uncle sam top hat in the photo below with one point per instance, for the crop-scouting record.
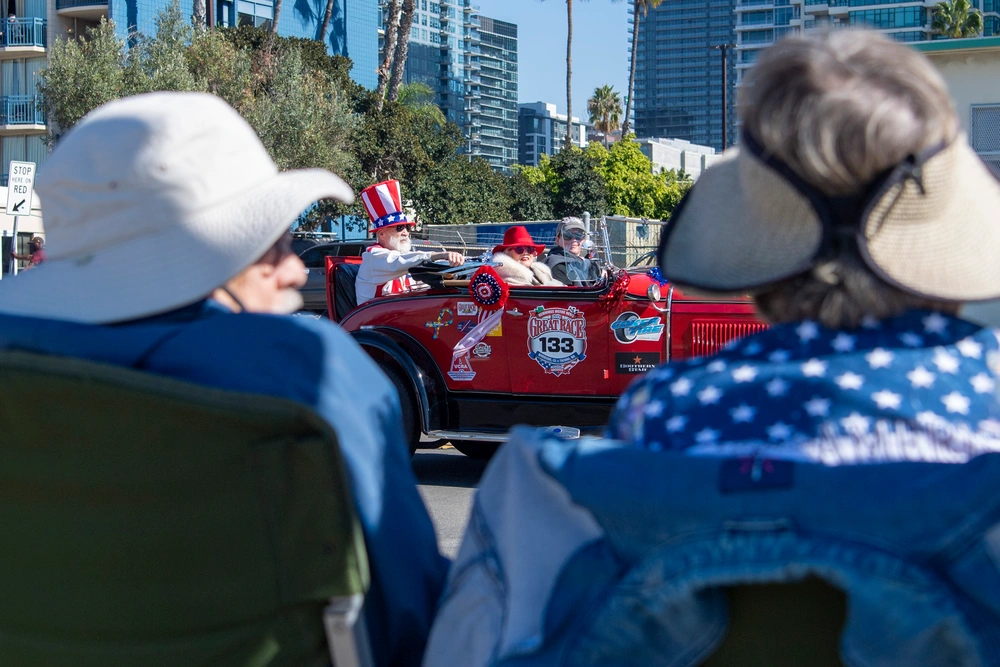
(384, 205)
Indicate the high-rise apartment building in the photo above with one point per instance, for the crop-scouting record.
(542, 131)
(679, 71)
(497, 115)
(471, 63)
(760, 23)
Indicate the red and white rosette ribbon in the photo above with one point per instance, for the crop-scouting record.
(488, 289)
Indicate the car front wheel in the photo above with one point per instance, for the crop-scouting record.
(407, 406)
(477, 449)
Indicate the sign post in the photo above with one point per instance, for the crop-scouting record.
(20, 189)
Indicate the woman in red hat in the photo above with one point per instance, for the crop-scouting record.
(515, 259)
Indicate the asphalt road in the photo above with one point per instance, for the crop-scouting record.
(446, 479)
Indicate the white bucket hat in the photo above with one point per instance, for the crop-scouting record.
(930, 226)
(150, 203)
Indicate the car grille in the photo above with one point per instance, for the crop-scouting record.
(707, 338)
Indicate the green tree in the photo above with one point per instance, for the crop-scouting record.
(158, 63)
(83, 74)
(530, 196)
(578, 183)
(639, 8)
(460, 191)
(633, 189)
(677, 185)
(418, 97)
(605, 109)
(957, 18)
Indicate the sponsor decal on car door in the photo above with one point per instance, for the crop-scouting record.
(557, 347)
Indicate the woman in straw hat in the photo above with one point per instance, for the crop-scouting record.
(859, 219)
(517, 259)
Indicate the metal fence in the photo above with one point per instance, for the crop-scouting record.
(24, 31)
(630, 240)
(21, 110)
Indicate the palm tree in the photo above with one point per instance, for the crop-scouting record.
(389, 49)
(402, 49)
(957, 18)
(277, 15)
(199, 14)
(418, 97)
(645, 6)
(569, 72)
(327, 15)
(605, 109)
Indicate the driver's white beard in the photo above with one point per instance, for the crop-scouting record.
(399, 244)
(289, 301)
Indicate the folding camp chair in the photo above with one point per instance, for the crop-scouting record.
(147, 521)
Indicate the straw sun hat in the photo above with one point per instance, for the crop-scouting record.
(930, 226)
(150, 203)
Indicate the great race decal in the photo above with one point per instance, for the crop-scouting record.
(467, 309)
(629, 327)
(557, 339)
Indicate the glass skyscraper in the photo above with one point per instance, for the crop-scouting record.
(471, 62)
(497, 115)
(760, 23)
(679, 71)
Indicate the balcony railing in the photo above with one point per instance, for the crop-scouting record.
(73, 4)
(24, 31)
(21, 110)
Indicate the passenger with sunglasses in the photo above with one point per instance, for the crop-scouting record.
(567, 260)
(385, 266)
(515, 259)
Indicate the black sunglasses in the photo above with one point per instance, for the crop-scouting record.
(399, 228)
(573, 234)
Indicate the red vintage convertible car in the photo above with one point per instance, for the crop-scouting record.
(543, 356)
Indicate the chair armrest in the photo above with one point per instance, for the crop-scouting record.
(346, 633)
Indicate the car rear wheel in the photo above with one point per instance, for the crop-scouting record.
(407, 407)
(477, 449)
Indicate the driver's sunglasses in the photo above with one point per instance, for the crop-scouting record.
(399, 228)
(281, 249)
(573, 235)
(519, 249)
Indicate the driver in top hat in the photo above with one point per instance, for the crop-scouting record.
(385, 266)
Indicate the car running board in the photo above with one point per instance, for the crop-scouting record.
(568, 432)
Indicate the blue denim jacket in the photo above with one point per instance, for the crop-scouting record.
(591, 552)
(867, 458)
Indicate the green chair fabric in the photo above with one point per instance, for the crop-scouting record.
(147, 521)
(783, 625)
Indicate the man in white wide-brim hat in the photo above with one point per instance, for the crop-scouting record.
(167, 226)
(853, 441)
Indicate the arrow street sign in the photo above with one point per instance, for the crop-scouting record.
(20, 187)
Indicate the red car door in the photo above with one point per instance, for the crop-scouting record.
(557, 342)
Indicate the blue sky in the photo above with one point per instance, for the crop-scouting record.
(600, 47)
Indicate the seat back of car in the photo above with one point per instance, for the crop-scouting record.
(345, 298)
